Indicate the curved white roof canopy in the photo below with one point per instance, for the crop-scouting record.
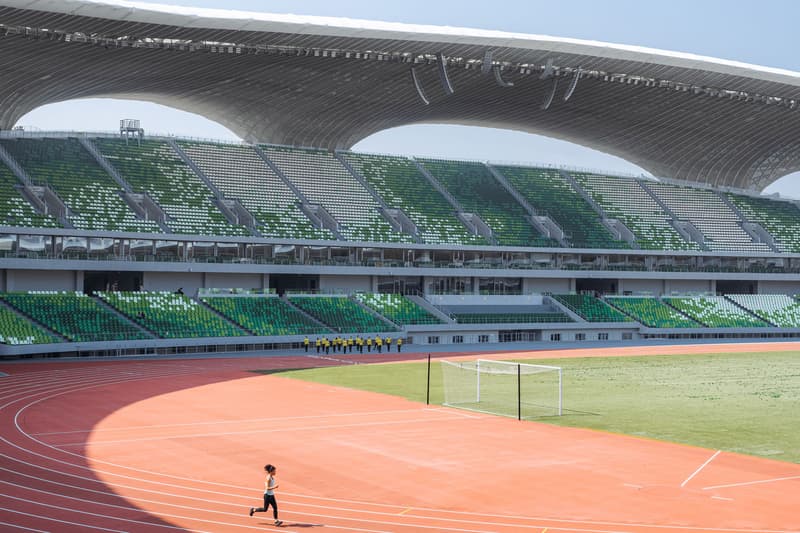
(329, 82)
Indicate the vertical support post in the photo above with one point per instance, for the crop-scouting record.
(519, 391)
(428, 393)
(560, 392)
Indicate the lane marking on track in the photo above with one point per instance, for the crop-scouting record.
(701, 467)
(715, 497)
(42, 517)
(746, 483)
(243, 421)
(23, 527)
(404, 512)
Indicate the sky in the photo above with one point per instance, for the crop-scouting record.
(761, 33)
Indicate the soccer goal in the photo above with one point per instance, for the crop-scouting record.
(517, 390)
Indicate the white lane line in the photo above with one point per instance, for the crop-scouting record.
(721, 498)
(746, 483)
(702, 466)
(42, 517)
(21, 527)
(256, 431)
(243, 421)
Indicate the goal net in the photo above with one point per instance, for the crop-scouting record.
(499, 387)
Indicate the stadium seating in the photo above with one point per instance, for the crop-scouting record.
(15, 209)
(265, 315)
(74, 315)
(479, 192)
(716, 312)
(155, 168)
(708, 213)
(402, 185)
(652, 312)
(590, 308)
(341, 313)
(91, 194)
(550, 194)
(239, 173)
(324, 180)
(397, 308)
(170, 315)
(780, 219)
(15, 329)
(510, 318)
(778, 309)
(625, 200)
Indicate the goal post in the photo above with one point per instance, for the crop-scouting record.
(517, 390)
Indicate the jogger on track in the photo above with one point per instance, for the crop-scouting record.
(270, 484)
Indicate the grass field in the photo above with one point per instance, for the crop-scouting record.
(746, 402)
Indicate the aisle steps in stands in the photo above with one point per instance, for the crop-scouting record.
(687, 230)
(123, 317)
(755, 230)
(432, 309)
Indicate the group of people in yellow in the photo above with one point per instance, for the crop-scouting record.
(344, 345)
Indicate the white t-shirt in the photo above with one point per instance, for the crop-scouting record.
(270, 485)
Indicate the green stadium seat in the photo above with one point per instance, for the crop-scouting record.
(397, 308)
(778, 309)
(781, 219)
(716, 312)
(341, 313)
(16, 330)
(652, 312)
(266, 316)
(590, 308)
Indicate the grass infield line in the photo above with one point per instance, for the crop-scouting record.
(702, 466)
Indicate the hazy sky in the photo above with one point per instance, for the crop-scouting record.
(761, 33)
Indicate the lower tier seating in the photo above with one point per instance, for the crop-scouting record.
(590, 308)
(341, 313)
(510, 318)
(778, 309)
(265, 315)
(653, 313)
(716, 312)
(16, 329)
(170, 315)
(78, 317)
(397, 308)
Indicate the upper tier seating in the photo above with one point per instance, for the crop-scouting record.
(510, 318)
(265, 315)
(170, 315)
(652, 312)
(15, 329)
(778, 309)
(626, 200)
(341, 313)
(324, 180)
(712, 216)
(477, 190)
(155, 168)
(550, 194)
(239, 173)
(402, 185)
(716, 312)
(590, 308)
(397, 308)
(91, 194)
(74, 315)
(15, 209)
(781, 219)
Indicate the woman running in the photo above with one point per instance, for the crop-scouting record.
(270, 484)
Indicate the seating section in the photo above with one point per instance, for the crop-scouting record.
(711, 215)
(341, 313)
(15, 209)
(15, 330)
(239, 173)
(78, 317)
(510, 318)
(324, 180)
(652, 312)
(265, 315)
(397, 308)
(625, 200)
(716, 312)
(590, 308)
(781, 219)
(777, 309)
(477, 190)
(170, 315)
(550, 194)
(155, 168)
(92, 196)
(401, 185)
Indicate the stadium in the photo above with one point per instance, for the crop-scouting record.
(171, 306)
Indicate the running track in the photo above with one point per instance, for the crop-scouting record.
(179, 445)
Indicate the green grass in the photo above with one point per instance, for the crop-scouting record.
(746, 403)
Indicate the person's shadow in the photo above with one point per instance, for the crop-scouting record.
(295, 524)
